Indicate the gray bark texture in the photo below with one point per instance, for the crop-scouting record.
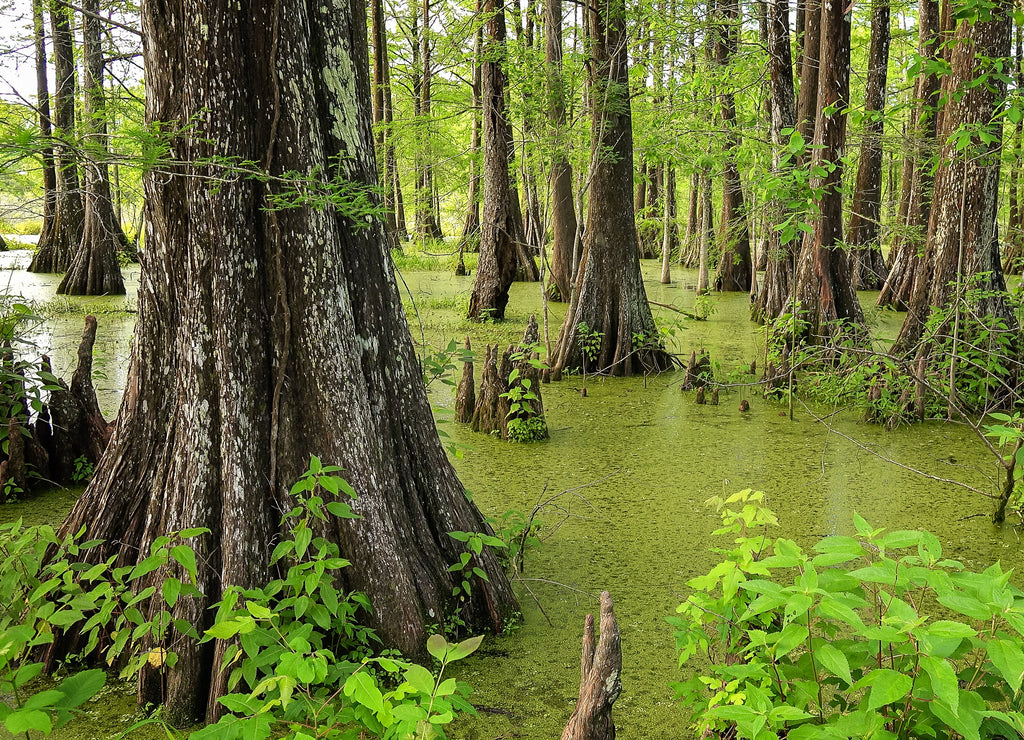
(268, 335)
(600, 679)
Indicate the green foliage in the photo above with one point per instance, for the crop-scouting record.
(873, 635)
(523, 422)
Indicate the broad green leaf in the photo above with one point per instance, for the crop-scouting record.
(363, 689)
(1007, 657)
(835, 661)
(438, 647)
(887, 686)
(793, 635)
(944, 681)
(420, 678)
(465, 648)
(966, 605)
(25, 720)
(186, 556)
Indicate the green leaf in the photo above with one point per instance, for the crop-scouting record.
(835, 661)
(887, 686)
(793, 635)
(465, 648)
(25, 720)
(420, 678)
(363, 689)
(438, 647)
(944, 682)
(186, 556)
(80, 687)
(966, 605)
(171, 590)
(1007, 657)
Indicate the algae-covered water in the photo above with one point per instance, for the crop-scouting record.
(636, 460)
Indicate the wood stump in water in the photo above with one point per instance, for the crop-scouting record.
(698, 372)
(47, 438)
(509, 402)
(600, 679)
(465, 396)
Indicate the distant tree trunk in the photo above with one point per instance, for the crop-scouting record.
(690, 249)
(734, 265)
(807, 100)
(265, 336)
(533, 228)
(54, 253)
(428, 221)
(95, 269)
(609, 297)
(382, 122)
(780, 262)
(471, 226)
(706, 235)
(867, 263)
(917, 178)
(563, 210)
(668, 224)
(823, 288)
(963, 235)
(503, 250)
(1013, 252)
(45, 125)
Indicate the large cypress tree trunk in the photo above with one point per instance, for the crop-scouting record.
(609, 297)
(94, 270)
(963, 235)
(55, 251)
(780, 261)
(503, 250)
(267, 335)
(823, 287)
(734, 266)
(917, 178)
(563, 210)
(867, 262)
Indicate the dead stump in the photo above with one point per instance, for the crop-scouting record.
(600, 679)
(465, 396)
(698, 372)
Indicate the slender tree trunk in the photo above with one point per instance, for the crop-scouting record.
(917, 178)
(45, 124)
(867, 262)
(563, 211)
(1013, 252)
(471, 226)
(503, 250)
(734, 265)
(54, 253)
(807, 100)
(668, 230)
(963, 236)
(382, 122)
(823, 289)
(267, 335)
(609, 297)
(688, 254)
(94, 270)
(706, 235)
(780, 262)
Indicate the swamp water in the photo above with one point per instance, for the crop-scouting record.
(639, 459)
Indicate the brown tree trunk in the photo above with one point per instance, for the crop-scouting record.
(917, 179)
(503, 250)
(669, 237)
(600, 679)
(706, 235)
(428, 223)
(54, 253)
(827, 301)
(45, 124)
(265, 336)
(382, 123)
(1013, 251)
(963, 236)
(471, 226)
(94, 270)
(867, 263)
(609, 296)
(807, 100)
(734, 265)
(780, 260)
(563, 209)
(688, 254)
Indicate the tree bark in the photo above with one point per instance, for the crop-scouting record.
(55, 251)
(471, 226)
(45, 123)
(600, 679)
(810, 64)
(734, 266)
(94, 270)
(503, 250)
(266, 335)
(563, 210)
(823, 289)
(917, 178)
(382, 123)
(609, 296)
(780, 261)
(867, 263)
(963, 235)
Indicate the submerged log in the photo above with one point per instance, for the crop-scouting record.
(465, 396)
(600, 679)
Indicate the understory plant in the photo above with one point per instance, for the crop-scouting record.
(302, 665)
(875, 635)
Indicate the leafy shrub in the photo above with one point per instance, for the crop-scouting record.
(876, 635)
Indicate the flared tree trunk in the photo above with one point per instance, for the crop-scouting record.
(917, 176)
(780, 260)
(867, 263)
(734, 264)
(963, 234)
(55, 251)
(94, 270)
(265, 336)
(563, 210)
(609, 297)
(503, 250)
(823, 287)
